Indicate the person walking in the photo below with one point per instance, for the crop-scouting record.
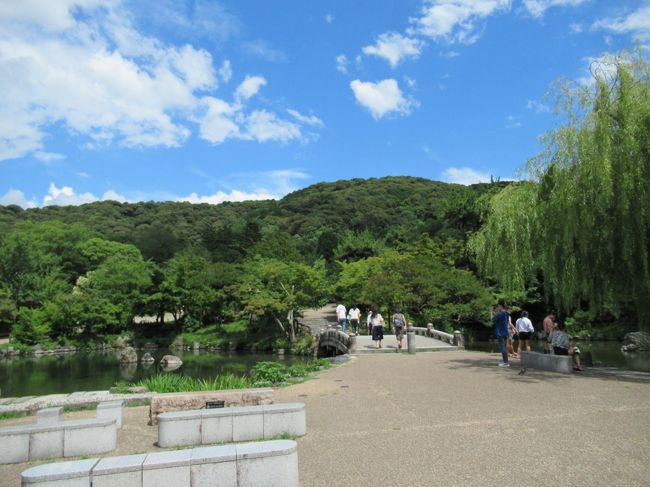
(377, 327)
(400, 324)
(354, 315)
(500, 320)
(526, 330)
(341, 316)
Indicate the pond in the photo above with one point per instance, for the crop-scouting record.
(92, 371)
(604, 354)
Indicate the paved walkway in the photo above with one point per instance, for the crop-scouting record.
(389, 345)
(452, 419)
(457, 419)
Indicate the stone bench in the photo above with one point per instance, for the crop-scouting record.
(184, 401)
(258, 464)
(544, 361)
(57, 439)
(207, 426)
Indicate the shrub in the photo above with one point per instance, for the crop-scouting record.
(272, 372)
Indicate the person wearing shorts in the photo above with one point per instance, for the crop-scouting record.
(526, 330)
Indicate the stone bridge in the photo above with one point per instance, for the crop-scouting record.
(332, 341)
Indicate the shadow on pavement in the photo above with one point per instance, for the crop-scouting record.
(535, 375)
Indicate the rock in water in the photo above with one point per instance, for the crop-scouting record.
(147, 358)
(127, 355)
(170, 362)
(636, 341)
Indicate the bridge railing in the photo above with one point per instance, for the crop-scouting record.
(453, 339)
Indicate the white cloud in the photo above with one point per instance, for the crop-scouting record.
(264, 126)
(538, 107)
(66, 196)
(112, 195)
(250, 87)
(329, 18)
(454, 20)
(48, 156)
(221, 196)
(225, 71)
(312, 120)
(394, 47)
(342, 63)
(381, 98)
(637, 22)
(537, 7)
(16, 197)
(464, 176)
(83, 66)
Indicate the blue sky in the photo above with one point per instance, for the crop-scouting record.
(214, 100)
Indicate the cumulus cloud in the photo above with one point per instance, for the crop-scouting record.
(513, 122)
(537, 7)
(538, 107)
(329, 18)
(465, 175)
(637, 23)
(66, 196)
(16, 197)
(381, 98)
(221, 196)
(394, 47)
(454, 21)
(83, 65)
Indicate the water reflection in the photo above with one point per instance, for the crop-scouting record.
(52, 374)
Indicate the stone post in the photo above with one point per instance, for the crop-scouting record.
(410, 339)
(458, 339)
(430, 329)
(353, 343)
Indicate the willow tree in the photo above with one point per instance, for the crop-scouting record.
(586, 215)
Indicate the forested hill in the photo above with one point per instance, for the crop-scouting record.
(405, 205)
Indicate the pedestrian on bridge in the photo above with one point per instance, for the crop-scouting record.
(355, 315)
(377, 327)
(399, 322)
(341, 316)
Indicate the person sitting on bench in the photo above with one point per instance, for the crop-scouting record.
(562, 345)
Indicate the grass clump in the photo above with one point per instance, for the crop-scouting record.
(183, 383)
(11, 415)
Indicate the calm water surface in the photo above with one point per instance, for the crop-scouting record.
(93, 371)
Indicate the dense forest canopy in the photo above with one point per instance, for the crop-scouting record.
(85, 272)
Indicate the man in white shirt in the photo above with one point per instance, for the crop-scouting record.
(355, 315)
(341, 316)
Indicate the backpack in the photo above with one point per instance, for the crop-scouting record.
(398, 320)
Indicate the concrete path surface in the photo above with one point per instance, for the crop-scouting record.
(451, 419)
(446, 419)
(365, 344)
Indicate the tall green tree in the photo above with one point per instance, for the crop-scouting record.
(585, 225)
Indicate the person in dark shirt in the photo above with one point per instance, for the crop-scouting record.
(501, 321)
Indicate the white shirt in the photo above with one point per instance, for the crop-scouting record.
(340, 312)
(355, 314)
(525, 325)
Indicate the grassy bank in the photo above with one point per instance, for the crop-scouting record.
(264, 374)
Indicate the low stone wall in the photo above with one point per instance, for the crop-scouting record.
(265, 463)
(184, 401)
(57, 439)
(543, 361)
(208, 426)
